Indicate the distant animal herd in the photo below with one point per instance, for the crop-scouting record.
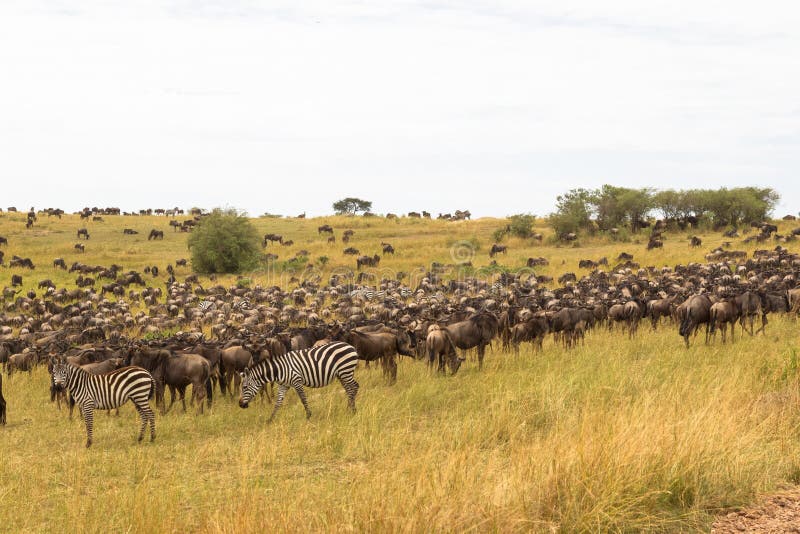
(106, 345)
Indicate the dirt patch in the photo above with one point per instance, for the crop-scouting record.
(776, 513)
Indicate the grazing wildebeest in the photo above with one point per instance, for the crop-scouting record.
(477, 331)
(180, 262)
(692, 313)
(624, 256)
(332, 239)
(352, 251)
(16, 280)
(155, 234)
(696, 241)
(633, 311)
(129, 231)
(439, 345)
(83, 232)
(496, 249)
(59, 262)
(80, 247)
(387, 248)
(367, 261)
(654, 243)
(533, 262)
(325, 228)
(720, 314)
(2, 403)
(3, 240)
(272, 238)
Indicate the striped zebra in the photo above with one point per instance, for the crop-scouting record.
(243, 304)
(314, 368)
(205, 305)
(108, 391)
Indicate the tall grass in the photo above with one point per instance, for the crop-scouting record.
(616, 434)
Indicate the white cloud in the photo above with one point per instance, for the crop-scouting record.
(275, 106)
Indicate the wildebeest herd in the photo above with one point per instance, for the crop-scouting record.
(107, 345)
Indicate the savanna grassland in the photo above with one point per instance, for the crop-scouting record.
(615, 434)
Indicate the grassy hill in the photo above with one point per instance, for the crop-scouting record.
(616, 434)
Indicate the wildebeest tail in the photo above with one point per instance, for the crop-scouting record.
(209, 390)
(686, 324)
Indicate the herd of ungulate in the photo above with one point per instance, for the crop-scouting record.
(268, 332)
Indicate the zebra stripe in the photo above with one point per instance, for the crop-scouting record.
(243, 304)
(107, 391)
(205, 305)
(315, 367)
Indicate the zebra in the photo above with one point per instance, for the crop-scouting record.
(205, 305)
(108, 391)
(315, 367)
(243, 304)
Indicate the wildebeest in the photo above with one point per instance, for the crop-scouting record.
(129, 231)
(720, 315)
(16, 280)
(83, 232)
(658, 308)
(749, 305)
(654, 243)
(352, 251)
(155, 234)
(272, 238)
(325, 228)
(387, 248)
(624, 256)
(533, 262)
(439, 345)
(80, 247)
(381, 343)
(533, 330)
(496, 249)
(695, 241)
(176, 371)
(3, 240)
(476, 331)
(59, 262)
(2, 403)
(694, 312)
(368, 261)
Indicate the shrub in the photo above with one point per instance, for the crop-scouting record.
(224, 241)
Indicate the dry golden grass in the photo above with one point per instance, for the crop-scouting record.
(614, 435)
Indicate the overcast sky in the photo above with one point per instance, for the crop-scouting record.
(495, 106)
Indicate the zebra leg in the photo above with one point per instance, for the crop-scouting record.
(143, 417)
(351, 388)
(302, 394)
(278, 400)
(87, 410)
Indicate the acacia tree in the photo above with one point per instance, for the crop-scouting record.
(225, 241)
(351, 206)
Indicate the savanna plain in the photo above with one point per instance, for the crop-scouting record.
(614, 434)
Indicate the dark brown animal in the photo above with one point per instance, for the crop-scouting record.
(2, 403)
(383, 344)
(692, 313)
(496, 249)
(720, 315)
(439, 345)
(476, 332)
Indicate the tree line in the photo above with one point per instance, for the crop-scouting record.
(611, 207)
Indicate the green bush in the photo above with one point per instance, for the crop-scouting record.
(225, 241)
